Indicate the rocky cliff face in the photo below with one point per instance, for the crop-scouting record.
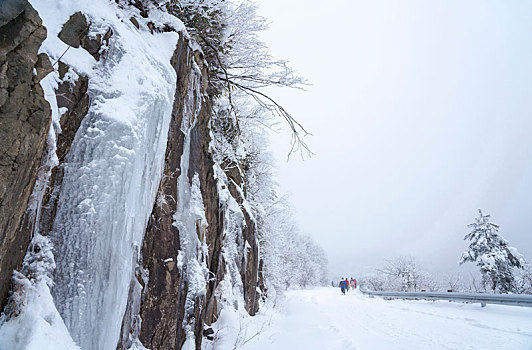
(198, 234)
(24, 123)
(164, 285)
(165, 290)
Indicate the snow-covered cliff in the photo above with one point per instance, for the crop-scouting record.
(138, 237)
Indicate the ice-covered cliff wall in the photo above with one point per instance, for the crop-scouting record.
(150, 237)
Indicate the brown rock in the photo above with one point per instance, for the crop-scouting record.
(250, 263)
(163, 303)
(3, 84)
(105, 39)
(19, 21)
(24, 123)
(74, 30)
(135, 22)
(43, 67)
(10, 9)
(75, 99)
(162, 308)
(62, 69)
(151, 27)
(94, 44)
(164, 293)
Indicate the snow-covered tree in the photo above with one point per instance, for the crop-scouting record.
(404, 273)
(492, 254)
(291, 259)
(454, 282)
(523, 279)
(401, 274)
(240, 65)
(373, 281)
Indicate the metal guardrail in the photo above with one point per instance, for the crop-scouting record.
(482, 298)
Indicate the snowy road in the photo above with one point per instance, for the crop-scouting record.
(324, 319)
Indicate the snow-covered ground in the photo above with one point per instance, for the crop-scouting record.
(322, 318)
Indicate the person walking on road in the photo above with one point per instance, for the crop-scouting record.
(343, 284)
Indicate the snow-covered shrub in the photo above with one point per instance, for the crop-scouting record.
(401, 274)
(523, 279)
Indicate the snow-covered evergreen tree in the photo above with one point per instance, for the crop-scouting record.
(495, 258)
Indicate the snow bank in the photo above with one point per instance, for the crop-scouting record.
(31, 321)
(234, 327)
(39, 326)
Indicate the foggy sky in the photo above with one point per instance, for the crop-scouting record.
(420, 113)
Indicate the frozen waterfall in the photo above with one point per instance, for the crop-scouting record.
(111, 174)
